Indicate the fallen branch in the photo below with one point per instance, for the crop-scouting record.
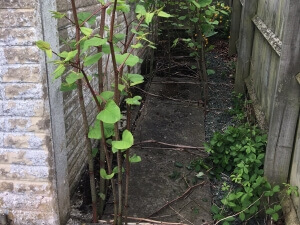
(176, 199)
(170, 145)
(146, 220)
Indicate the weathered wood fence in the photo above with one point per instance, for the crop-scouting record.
(266, 35)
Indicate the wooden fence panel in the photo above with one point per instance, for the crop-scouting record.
(295, 171)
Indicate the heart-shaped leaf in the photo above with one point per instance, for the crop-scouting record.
(95, 131)
(134, 101)
(128, 59)
(105, 176)
(126, 142)
(92, 59)
(73, 77)
(111, 113)
(135, 159)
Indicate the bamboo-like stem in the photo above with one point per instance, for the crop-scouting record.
(102, 182)
(117, 101)
(85, 121)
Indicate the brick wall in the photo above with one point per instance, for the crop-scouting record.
(42, 152)
(27, 193)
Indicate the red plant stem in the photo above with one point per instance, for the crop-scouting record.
(85, 120)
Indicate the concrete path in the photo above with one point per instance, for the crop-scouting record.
(161, 186)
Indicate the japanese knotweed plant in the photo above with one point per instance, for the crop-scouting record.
(240, 151)
(100, 46)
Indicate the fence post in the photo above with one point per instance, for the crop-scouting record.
(235, 26)
(246, 37)
(285, 111)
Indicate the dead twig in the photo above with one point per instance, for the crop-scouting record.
(170, 145)
(180, 215)
(150, 221)
(176, 199)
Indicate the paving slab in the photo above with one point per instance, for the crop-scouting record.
(170, 131)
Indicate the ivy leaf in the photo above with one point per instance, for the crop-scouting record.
(59, 71)
(134, 101)
(105, 176)
(135, 159)
(92, 59)
(164, 14)
(68, 87)
(86, 31)
(125, 143)
(111, 113)
(73, 77)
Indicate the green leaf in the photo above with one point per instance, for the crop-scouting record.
(111, 113)
(43, 45)
(135, 159)
(116, 170)
(276, 188)
(200, 175)
(71, 55)
(140, 9)
(105, 176)
(57, 15)
(128, 59)
(95, 131)
(204, 3)
(68, 87)
(242, 216)
(105, 95)
(148, 17)
(215, 209)
(196, 4)
(59, 71)
(138, 45)
(209, 72)
(125, 143)
(95, 41)
(73, 77)
(134, 78)
(134, 101)
(86, 31)
(82, 16)
(92, 59)
(102, 196)
(164, 14)
(275, 216)
(94, 152)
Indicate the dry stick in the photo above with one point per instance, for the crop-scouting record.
(176, 199)
(180, 215)
(241, 211)
(167, 144)
(85, 121)
(163, 96)
(153, 221)
(117, 101)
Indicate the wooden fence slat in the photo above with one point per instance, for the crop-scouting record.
(246, 36)
(285, 111)
(235, 26)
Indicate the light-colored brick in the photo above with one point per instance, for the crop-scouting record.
(17, 36)
(23, 91)
(17, 18)
(22, 186)
(25, 124)
(20, 73)
(25, 140)
(23, 108)
(13, 4)
(23, 157)
(21, 172)
(21, 55)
